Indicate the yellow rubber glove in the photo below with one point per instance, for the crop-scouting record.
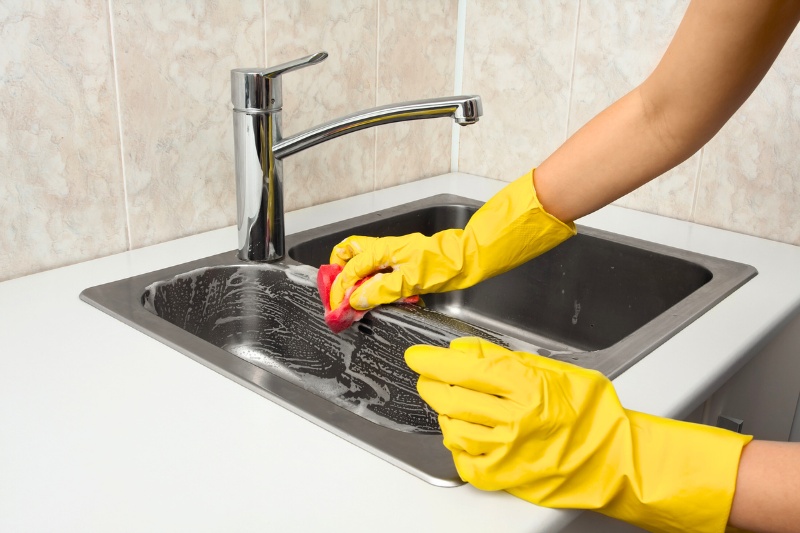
(556, 435)
(510, 229)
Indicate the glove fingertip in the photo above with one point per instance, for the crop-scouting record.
(344, 281)
(464, 463)
(427, 389)
(349, 248)
(414, 355)
(360, 301)
(423, 359)
(375, 291)
(467, 344)
(340, 254)
(478, 347)
(337, 292)
(336, 260)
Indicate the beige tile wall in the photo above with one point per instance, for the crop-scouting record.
(618, 45)
(88, 170)
(173, 62)
(343, 83)
(417, 54)
(750, 174)
(545, 68)
(518, 56)
(61, 196)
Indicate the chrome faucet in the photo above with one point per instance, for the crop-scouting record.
(259, 146)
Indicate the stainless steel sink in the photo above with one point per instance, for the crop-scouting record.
(600, 300)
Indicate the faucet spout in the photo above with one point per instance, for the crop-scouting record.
(464, 110)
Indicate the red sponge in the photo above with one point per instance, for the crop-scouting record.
(342, 317)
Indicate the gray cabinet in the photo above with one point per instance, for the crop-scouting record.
(765, 392)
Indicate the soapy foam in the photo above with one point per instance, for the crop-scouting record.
(271, 316)
(254, 313)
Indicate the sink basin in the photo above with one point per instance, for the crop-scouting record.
(599, 300)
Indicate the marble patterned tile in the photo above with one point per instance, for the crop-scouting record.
(750, 177)
(61, 191)
(342, 84)
(518, 58)
(174, 61)
(619, 44)
(416, 60)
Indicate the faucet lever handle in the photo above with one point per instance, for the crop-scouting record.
(259, 89)
(283, 68)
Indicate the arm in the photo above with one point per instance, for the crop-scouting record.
(767, 496)
(720, 52)
(556, 435)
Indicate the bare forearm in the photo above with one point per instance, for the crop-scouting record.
(767, 497)
(616, 152)
(721, 51)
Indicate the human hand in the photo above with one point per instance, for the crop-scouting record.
(509, 417)
(402, 266)
(510, 229)
(557, 435)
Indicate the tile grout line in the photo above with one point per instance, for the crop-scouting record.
(377, 81)
(572, 74)
(119, 123)
(458, 81)
(697, 184)
(264, 20)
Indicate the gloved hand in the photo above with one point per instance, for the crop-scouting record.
(556, 435)
(510, 229)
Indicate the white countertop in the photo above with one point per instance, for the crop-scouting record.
(103, 428)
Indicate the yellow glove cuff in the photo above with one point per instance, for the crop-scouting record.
(685, 476)
(509, 230)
